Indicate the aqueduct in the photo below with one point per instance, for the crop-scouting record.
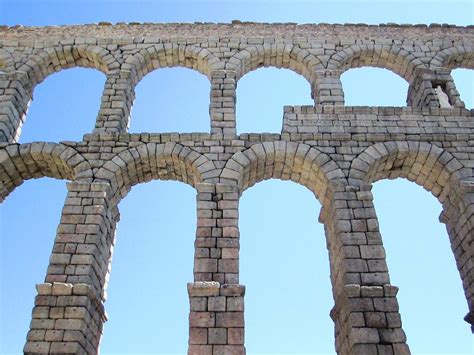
(334, 150)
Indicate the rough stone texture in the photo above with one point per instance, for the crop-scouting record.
(335, 151)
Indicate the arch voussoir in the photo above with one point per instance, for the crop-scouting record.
(298, 162)
(391, 57)
(152, 161)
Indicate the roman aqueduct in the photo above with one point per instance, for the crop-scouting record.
(334, 150)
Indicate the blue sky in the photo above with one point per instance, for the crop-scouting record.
(284, 261)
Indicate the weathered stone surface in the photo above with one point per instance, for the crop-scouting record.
(334, 150)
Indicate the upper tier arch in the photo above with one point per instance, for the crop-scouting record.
(279, 55)
(391, 57)
(50, 60)
(163, 55)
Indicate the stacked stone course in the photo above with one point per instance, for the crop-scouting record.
(336, 151)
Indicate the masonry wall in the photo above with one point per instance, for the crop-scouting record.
(335, 151)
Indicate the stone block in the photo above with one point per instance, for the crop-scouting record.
(364, 349)
(203, 288)
(200, 350)
(375, 319)
(230, 319)
(386, 304)
(393, 335)
(235, 304)
(36, 347)
(229, 350)
(66, 348)
(44, 289)
(61, 289)
(217, 336)
(202, 319)
(198, 304)
(364, 336)
(197, 336)
(216, 304)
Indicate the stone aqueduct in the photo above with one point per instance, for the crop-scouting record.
(335, 151)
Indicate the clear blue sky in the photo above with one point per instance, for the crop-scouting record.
(284, 261)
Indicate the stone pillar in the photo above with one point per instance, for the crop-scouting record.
(433, 88)
(216, 319)
(217, 235)
(366, 313)
(327, 88)
(67, 319)
(15, 95)
(222, 103)
(69, 314)
(116, 103)
(459, 219)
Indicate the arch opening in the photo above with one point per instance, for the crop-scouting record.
(171, 100)
(463, 78)
(25, 249)
(285, 268)
(422, 265)
(72, 111)
(269, 90)
(438, 172)
(369, 86)
(152, 261)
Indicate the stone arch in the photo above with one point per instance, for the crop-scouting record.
(279, 55)
(283, 160)
(461, 56)
(436, 170)
(153, 161)
(167, 55)
(41, 64)
(430, 166)
(20, 162)
(391, 57)
(51, 60)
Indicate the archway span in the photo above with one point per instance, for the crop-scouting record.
(390, 57)
(20, 162)
(51, 60)
(170, 55)
(153, 161)
(277, 55)
(286, 161)
(455, 57)
(430, 166)
(438, 172)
